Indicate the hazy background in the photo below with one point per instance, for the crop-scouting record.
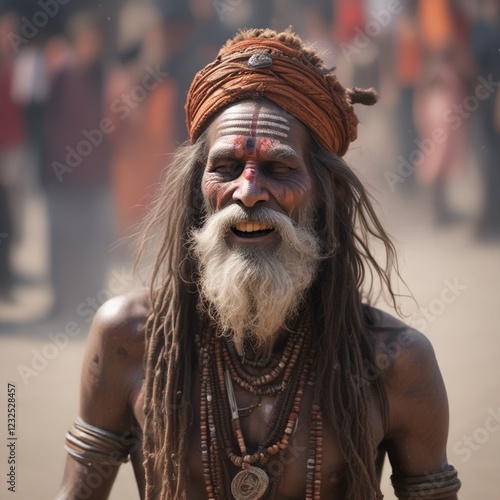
(91, 106)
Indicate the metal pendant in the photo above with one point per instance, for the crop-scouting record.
(250, 484)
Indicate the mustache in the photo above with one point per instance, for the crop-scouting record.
(223, 220)
(213, 234)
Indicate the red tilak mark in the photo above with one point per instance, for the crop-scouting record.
(244, 146)
(249, 173)
(255, 119)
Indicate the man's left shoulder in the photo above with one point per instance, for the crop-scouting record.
(404, 356)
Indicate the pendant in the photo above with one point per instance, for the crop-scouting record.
(250, 484)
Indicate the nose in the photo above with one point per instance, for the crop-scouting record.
(250, 188)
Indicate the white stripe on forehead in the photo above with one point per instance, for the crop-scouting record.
(245, 123)
(247, 130)
(250, 115)
(260, 123)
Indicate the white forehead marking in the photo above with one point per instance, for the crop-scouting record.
(261, 131)
(248, 123)
(243, 123)
(250, 115)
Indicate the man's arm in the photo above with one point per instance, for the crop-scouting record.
(417, 428)
(111, 373)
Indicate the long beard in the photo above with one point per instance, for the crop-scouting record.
(253, 291)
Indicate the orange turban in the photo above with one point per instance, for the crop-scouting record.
(264, 67)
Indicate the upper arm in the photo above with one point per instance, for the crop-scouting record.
(418, 410)
(110, 366)
(417, 429)
(111, 370)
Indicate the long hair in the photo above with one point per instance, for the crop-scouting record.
(349, 227)
(173, 322)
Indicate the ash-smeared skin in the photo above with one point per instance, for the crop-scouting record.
(257, 157)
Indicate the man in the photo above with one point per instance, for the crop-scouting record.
(264, 375)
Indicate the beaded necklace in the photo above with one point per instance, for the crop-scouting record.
(222, 441)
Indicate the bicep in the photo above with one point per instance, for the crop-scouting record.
(418, 414)
(104, 386)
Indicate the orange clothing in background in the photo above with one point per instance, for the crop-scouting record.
(141, 144)
(348, 15)
(408, 53)
(436, 24)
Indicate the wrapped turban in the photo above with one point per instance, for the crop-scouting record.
(267, 68)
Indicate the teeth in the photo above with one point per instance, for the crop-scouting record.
(248, 227)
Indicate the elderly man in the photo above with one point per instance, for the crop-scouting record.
(251, 369)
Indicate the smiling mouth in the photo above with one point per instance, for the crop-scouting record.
(251, 229)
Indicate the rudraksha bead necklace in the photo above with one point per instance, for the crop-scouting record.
(221, 435)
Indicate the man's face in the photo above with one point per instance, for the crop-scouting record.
(257, 158)
(257, 250)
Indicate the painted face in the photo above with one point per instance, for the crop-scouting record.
(257, 158)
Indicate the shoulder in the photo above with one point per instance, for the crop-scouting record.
(403, 356)
(112, 365)
(117, 331)
(122, 318)
(406, 364)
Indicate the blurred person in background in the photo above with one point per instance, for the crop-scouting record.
(407, 70)
(440, 152)
(75, 171)
(140, 100)
(16, 168)
(485, 44)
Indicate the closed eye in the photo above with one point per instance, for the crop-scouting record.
(232, 168)
(278, 168)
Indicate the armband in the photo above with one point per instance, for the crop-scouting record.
(431, 486)
(90, 445)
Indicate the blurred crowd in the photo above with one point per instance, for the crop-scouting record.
(92, 105)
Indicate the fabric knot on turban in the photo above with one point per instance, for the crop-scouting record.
(266, 68)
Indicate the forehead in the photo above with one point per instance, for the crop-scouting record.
(258, 119)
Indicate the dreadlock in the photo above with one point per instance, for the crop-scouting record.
(347, 225)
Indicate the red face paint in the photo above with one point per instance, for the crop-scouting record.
(255, 119)
(257, 151)
(264, 144)
(249, 173)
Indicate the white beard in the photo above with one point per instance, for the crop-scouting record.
(252, 292)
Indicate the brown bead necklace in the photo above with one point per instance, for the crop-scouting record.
(222, 441)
